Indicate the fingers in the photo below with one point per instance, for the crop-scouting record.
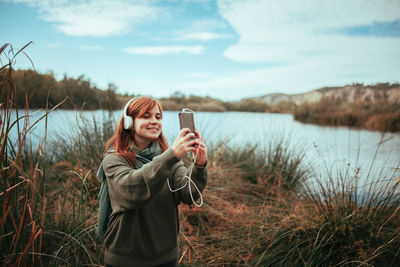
(200, 146)
(184, 132)
(190, 137)
(191, 141)
(200, 153)
(200, 142)
(196, 132)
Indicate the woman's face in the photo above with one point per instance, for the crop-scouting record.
(148, 126)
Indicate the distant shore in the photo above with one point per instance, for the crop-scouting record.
(371, 107)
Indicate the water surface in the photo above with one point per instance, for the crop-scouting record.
(326, 149)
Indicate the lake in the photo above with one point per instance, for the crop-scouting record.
(326, 149)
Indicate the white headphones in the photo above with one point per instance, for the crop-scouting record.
(128, 120)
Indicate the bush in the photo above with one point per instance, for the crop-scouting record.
(277, 165)
(340, 223)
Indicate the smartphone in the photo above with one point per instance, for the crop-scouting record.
(186, 120)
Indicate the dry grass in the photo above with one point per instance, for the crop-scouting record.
(38, 226)
(378, 116)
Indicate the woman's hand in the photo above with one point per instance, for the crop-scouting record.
(183, 143)
(200, 154)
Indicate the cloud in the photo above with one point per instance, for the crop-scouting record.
(99, 18)
(276, 31)
(290, 78)
(305, 45)
(206, 30)
(199, 30)
(164, 50)
(209, 24)
(204, 36)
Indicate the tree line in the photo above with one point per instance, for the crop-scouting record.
(41, 90)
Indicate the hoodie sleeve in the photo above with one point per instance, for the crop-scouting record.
(130, 188)
(199, 178)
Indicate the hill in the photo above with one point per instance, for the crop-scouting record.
(389, 93)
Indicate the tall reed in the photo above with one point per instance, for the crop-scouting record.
(37, 226)
(21, 188)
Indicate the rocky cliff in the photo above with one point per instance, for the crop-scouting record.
(349, 93)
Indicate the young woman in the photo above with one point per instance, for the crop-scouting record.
(143, 226)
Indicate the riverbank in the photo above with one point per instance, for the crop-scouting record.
(379, 116)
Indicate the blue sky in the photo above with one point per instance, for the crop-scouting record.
(228, 49)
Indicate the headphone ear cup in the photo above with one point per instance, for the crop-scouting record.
(128, 122)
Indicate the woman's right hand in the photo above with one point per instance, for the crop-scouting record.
(183, 143)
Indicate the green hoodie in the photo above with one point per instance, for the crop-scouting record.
(144, 225)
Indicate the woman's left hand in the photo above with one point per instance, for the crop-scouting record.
(200, 154)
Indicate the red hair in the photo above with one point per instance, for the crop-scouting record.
(123, 138)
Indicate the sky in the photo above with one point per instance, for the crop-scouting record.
(226, 49)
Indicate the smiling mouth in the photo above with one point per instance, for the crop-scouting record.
(152, 129)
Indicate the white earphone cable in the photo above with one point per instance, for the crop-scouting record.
(189, 180)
